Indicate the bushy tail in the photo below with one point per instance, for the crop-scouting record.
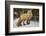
(18, 23)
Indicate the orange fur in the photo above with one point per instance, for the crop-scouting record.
(25, 16)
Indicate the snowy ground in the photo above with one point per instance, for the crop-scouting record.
(32, 24)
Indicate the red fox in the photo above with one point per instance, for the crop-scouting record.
(25, 16)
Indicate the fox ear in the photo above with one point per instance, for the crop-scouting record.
(29, 11)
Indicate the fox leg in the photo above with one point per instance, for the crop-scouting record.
(28, 21)
(23, 23)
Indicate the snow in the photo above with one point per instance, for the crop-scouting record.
(32, 23)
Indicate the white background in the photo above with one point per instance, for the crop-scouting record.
(2, 17)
